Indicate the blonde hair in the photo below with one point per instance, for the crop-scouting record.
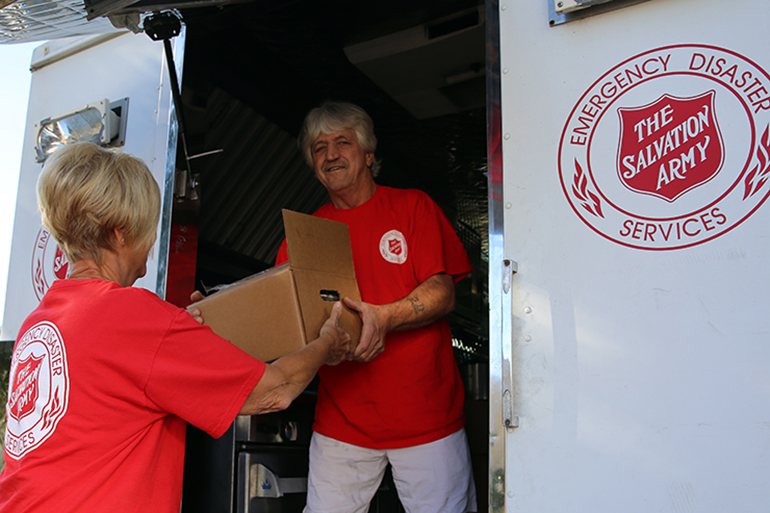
(332, 117)
(85, 192)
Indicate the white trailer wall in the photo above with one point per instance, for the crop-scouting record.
(640, 341)
(68, 74)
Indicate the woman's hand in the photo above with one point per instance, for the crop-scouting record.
(287, 377)
(341, 347)
(194, 312)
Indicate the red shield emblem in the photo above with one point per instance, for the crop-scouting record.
(394, 246)
(25, 389)
(60, 264)
(670, 146)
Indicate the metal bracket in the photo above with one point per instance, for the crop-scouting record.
(185, 185)
(563, 11)
(510, 267)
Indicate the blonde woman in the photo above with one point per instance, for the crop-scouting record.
(104, 376)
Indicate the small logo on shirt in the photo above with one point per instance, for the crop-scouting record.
(393, 247)
(48, 263)
(38, 389)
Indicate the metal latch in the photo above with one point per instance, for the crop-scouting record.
(510, 420)
(565, 6)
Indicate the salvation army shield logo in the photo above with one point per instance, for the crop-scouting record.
(393, 247)
(25, 390)
(48, 263)
(38, 389)
(669, 146)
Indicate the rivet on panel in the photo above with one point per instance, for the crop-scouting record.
(508, 205)
(505, 70)
(507, 136)
(528, 338)
(527, 309)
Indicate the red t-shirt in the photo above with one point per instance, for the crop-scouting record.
(411, 393)
(102, 381)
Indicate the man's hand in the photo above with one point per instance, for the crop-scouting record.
(372, 341)
(427, 303)
(194, 312)
(342, 347)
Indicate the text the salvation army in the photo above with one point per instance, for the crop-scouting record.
(667, 143)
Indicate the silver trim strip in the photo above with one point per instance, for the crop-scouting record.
(497, 430)
(164, 237)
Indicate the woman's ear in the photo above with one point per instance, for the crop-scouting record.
(119, 238)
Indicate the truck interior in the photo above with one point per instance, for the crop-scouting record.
(251, 73)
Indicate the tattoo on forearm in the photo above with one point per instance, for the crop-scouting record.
(416, 304)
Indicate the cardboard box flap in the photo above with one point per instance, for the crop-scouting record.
(318, 244)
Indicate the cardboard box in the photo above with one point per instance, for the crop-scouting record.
(276, 312)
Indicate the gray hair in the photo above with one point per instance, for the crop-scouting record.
(332, 117)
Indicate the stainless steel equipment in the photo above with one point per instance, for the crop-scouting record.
(259, 465)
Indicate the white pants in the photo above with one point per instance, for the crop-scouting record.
(430, 478)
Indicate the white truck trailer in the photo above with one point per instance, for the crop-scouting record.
(624, 249)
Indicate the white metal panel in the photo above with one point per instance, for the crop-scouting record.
(128, 66)
(639, 366)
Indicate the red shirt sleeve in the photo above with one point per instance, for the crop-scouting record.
(201, 377)
(436, 248)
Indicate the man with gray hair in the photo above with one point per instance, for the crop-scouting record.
(400, 401)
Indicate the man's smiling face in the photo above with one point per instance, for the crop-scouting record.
(340, 161)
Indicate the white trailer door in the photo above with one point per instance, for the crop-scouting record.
(67, 75)
(636, 158)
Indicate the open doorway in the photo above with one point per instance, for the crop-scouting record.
(251, 73)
